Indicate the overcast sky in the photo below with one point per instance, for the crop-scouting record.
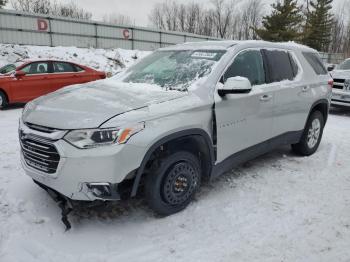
(137, 10)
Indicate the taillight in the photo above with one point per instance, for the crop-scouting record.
(330, 83)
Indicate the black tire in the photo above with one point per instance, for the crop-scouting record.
(304, 147)
(3, 100)
(172, 183)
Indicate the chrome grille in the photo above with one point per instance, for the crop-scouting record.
(338, 83)
(44, 129)
(39, 153)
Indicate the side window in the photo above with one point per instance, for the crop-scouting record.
(295, 66)
(78, 69)
(280, 65)
(248, 64)
(62, 67)
(36, 68)
(315, 62)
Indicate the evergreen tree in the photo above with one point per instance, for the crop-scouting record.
(283, 24)
(318, 27)
(3, 3)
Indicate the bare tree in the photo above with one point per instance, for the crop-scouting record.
(251, 18)
(222, 15)
(51, 7)
(22, 5)
(340, 33)
(118, 19)
(223, 18)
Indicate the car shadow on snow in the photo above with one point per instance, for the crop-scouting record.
(13, 106)
(340, 111)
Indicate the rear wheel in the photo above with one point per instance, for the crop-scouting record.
(172, 183)
(3, 100)
(312, 135)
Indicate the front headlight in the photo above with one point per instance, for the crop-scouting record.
(90, 138)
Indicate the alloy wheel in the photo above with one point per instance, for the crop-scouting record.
(314, 133)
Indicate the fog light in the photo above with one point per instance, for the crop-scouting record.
(100, 189)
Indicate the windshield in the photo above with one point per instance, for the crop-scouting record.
(345, 65)
(173, 70)
(7, 69)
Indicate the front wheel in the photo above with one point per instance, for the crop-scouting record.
(3, 100)
(172, 183)
(312, 135)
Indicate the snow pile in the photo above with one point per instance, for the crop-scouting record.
(107, 60)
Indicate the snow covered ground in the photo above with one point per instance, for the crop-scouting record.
(108, 60)
(279, 207)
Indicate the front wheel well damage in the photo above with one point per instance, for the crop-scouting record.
(195, 144)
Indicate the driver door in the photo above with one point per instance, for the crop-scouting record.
(34, 84)
(244, 120)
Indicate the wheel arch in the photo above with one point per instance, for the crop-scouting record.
(177, 141)
(6, 94)
(321, 105)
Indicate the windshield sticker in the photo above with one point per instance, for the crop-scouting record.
(204, 55)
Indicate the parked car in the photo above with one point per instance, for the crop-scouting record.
(341, 88)
(181, 115)
(31, 79)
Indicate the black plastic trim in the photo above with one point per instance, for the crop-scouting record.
(177, 135)
(319, 102)
(255, 151)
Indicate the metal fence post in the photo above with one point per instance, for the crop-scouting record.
(50, 31)
(132, 39)
(96, 36)
(160, 38)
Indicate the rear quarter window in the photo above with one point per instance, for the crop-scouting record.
(316, 63)
(280, 66)
(78, 68)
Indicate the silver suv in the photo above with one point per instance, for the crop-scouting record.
(183, 114)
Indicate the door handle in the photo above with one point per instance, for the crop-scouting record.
(305, 88)
(265, 98)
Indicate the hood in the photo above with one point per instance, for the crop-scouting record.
(90, 105)
(342, 74)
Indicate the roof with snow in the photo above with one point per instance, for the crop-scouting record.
(224, 45)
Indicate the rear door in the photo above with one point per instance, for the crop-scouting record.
(64, 74)
(244, 120)
(34, 84)
(285, 75)
(294, 95)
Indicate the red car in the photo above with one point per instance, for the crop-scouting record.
(36, 78)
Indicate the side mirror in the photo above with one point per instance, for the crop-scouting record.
(19, 74)
(235, 85)
(330, 68)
